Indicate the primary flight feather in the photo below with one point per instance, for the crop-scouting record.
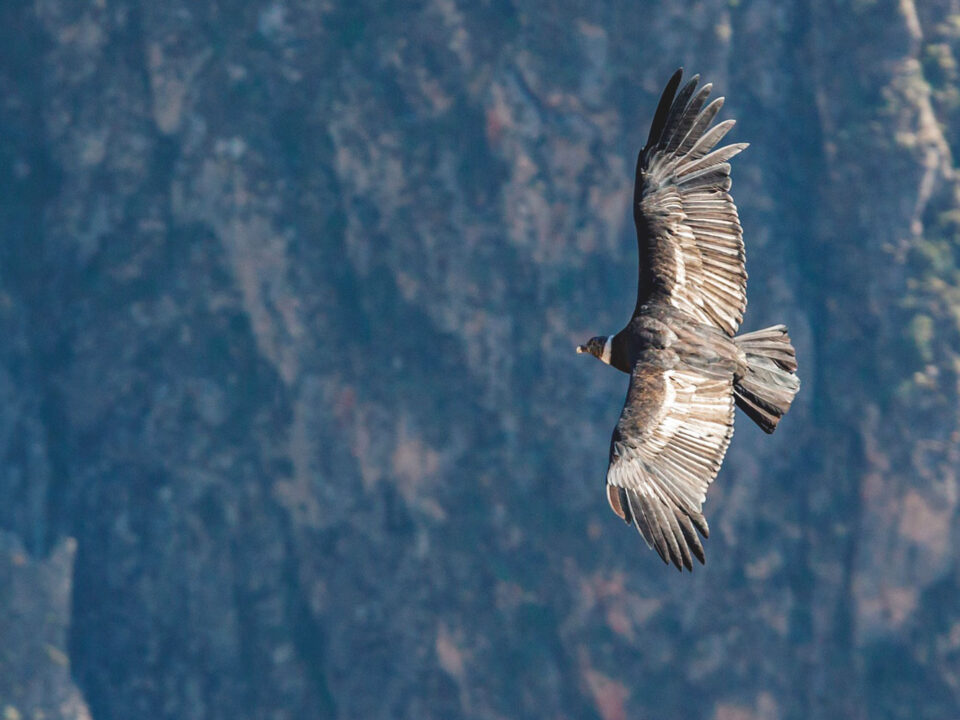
(687, 365)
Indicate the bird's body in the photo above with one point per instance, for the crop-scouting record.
(687, 366)
(657, 329)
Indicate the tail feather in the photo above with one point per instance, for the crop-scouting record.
(768, 386)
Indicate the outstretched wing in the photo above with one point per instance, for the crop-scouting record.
(688, 230)
(667, 448)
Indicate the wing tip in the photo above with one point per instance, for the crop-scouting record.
(663, 108)
(687, 544)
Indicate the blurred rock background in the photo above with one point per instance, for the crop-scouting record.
(291, 425)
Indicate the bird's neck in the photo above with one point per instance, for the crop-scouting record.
(607, 350)
(619, 353)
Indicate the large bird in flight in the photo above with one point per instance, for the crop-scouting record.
(687, 364)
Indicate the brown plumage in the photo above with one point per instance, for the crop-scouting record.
(687, 366)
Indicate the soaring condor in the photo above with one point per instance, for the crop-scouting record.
(687, 365)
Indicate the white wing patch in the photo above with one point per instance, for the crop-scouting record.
(667, 466)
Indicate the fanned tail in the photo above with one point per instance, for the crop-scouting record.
(768, 386)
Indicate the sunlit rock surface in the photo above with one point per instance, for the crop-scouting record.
(34, 620)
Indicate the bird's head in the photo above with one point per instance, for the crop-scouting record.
(599, 347)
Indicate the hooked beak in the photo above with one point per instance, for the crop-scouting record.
(581, 349)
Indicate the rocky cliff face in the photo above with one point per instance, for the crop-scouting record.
(289, 293)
